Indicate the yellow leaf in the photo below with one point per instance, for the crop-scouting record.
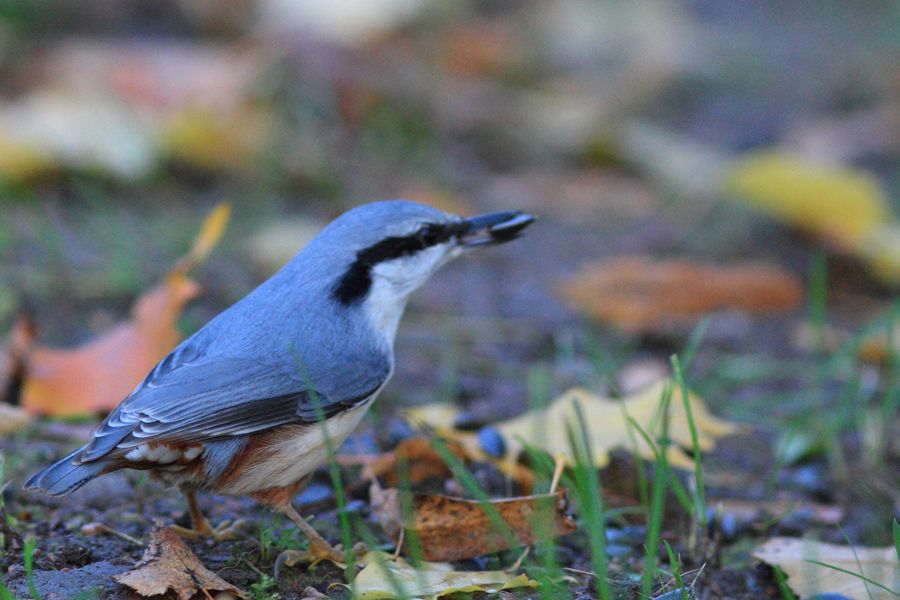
(793, 556)
(842, 205)
(606, 420)
(881, 252)
(433, 580)
(210, 233)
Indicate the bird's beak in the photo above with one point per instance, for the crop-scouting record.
(493, 228)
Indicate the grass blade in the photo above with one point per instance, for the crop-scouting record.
(700, 492)
(30, 543)
(675, 564)
(781, 581)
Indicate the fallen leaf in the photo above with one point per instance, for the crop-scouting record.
(53, 129)
(641, 294)
(122, 107)
(793, 556)
(94, 377)
(419, 459)
(450, 529)
(168, 564)
(432, 580)
(846, 207)
(841, 204)
(606, 420)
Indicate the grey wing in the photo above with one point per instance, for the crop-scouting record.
(213, 398)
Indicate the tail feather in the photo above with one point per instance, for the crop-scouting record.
(64, 476)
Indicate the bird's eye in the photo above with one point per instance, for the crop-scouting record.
(429, 235)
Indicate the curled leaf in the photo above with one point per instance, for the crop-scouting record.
(450, 529)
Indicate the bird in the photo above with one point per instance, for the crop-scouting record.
(251, 402)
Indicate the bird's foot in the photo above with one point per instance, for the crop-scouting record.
(316, 553)
(226, 530)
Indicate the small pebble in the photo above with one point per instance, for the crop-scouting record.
(635, 534)
(394, 432)
(614, 535)
(490, 440)
(314, 492)
(729, 525)
(674, 595)
(617, 550)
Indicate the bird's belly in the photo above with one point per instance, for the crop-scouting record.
(286, 455)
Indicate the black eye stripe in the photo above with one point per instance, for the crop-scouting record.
(356, 281)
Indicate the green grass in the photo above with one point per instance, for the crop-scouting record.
(262, 589)
(675, 565)
(28, 554)
(590, 500)
(781, 582)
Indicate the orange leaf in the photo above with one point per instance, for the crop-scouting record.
(640, 294)
(96, 376)
(422, 462)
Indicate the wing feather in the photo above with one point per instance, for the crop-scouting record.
(210, 398)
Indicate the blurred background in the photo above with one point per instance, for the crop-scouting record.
(719, 133)
(723, 131)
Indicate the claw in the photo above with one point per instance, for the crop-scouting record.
(224, 531)
(316, 553)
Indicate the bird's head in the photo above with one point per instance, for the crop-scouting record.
(391, 248)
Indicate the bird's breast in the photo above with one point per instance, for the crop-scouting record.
(282, 456)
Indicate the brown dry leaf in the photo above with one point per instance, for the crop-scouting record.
(606, 420)
(641, 294)
(168, 564)
(96, 376)
(379, 578)
(450, 529)
(793, 556)
(421, 460)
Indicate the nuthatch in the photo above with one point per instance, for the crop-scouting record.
(242, 406)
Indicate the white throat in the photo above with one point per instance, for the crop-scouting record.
(392, 283)
(384, 307)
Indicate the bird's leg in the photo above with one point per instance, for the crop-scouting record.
(280, 499)
(200, 527)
